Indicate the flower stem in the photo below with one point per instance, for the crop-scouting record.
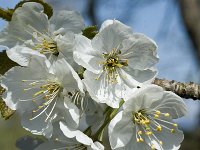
(111, 113)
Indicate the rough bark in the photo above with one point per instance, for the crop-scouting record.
(184, 90)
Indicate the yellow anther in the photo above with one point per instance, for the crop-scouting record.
(159, 128)
(147, 121)
(158, 112)
(166, 114)
(156, 116)
(38, 93)
(139, 132)
(153, 147)
(34, 111)
(175, 125)
(33, 84)
(138, 140)
(172, 131)
(40, 107)
(161, 143)
(141, 140)
(148, 133)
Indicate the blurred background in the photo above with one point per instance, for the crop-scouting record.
(173, 24)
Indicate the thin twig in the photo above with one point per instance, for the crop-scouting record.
(184, 90)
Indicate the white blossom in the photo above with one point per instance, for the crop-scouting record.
(31, 33)
(116, 60)
(146, 121)
(43, 92)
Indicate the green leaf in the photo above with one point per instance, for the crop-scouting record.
(90, 32)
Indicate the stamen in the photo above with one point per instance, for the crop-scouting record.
(167, 115)
(112, 63)
(147, 121)
(48, 91)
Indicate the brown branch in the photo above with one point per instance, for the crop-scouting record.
(184, 90)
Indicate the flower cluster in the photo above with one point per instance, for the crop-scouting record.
(72, 109)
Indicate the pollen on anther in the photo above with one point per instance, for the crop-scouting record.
(153, 147)
(166, 114)
(139, 132)
(159, 128)
(172, 131)
(158, 112)
(141, 140)
(148, 133)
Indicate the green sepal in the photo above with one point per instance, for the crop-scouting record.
(90, 32)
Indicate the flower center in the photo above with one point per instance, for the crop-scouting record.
(45, 90)
(112, 63)
(150, 122)
(47, 46)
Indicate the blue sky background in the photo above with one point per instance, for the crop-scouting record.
(177, 60)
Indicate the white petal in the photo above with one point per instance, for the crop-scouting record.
(140, 76)
(66, 46)
(51, 145)
(133, 144)
(140, 51)
(73, 116)
(111, 37)
(37, 126)
(70, 21)
(110, 22)
(172, 104)
(22, 54)
(71, 133)
(12, 82)
(66, 74)
(96, 146)
(121, 129)
(85, 55)
(101, 92)
(94, 112)
(169, 140)
(142, 98)
(24, 21)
